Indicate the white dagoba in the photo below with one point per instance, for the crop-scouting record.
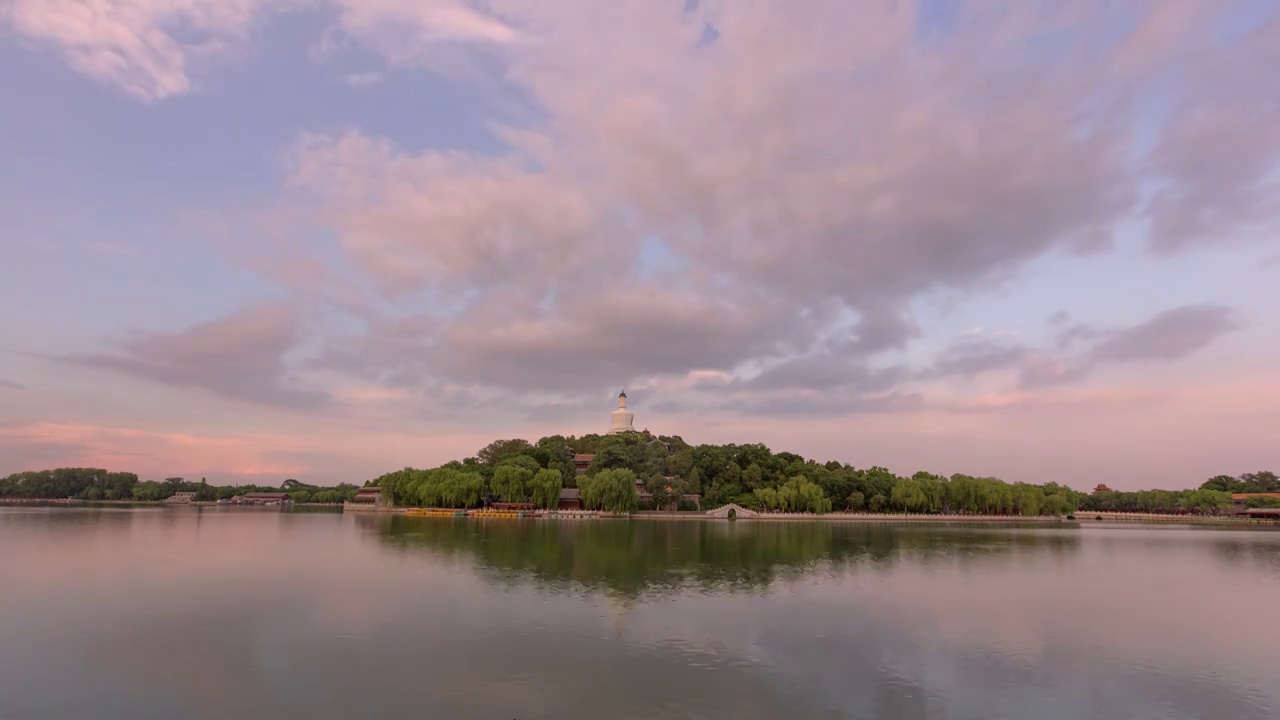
(620, 420)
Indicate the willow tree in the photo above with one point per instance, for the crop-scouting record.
(451, 488)
(512, 483)
(766, 498)
(545, 489)
(800, 494)
(610, 490)
(1028, 500)
(908, 495)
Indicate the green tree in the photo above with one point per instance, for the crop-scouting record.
(877, 503)
(908, 495)
(766, 499)
(1028, 500)
(499, 449)
(693, 481)
(1209, 502)
(511, 483)
(1263, 481)
(612, 457)
(545, 489)
(148, 491)
(800, 494)
(526, 462)
(857, 502)
(610, 490)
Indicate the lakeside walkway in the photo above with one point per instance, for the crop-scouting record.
(845, 517)
(1084, 517)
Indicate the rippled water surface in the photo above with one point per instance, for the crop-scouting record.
(219, 613)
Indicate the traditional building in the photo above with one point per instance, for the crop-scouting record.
(621, 419)
(261, 498)
(570, 499)
(368, 496)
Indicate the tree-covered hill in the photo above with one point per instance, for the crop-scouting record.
(755, 476)
(669, 469)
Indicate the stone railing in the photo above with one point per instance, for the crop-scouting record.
(1138, 517)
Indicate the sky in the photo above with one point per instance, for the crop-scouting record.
(324, 239)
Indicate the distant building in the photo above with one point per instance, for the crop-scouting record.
(1101, 488)
(182, 498)
(369, 496)
(1242, 497)
(261, 498)
(570, 499)
(1240, 503)
(621, 420)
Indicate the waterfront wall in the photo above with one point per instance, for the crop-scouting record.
(1124, 517)
(905, 517)
(370, 508)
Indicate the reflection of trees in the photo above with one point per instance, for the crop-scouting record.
(1262, 553)
(635, 557)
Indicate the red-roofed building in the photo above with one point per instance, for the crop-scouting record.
(368, 496)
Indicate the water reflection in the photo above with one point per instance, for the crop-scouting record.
(244, 614)
(634, 558)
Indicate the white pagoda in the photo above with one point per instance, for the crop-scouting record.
(620, 420)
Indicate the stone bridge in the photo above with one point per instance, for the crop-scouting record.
(739, 512)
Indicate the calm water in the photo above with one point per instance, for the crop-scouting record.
(217, 613)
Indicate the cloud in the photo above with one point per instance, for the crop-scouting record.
(590, 341)
(805, 173)
(1080, 349)
(865, 169)
(148, 48)
(785, 222)
(365, 79)
(1216, 156)
(10, 385)
(972, 357)
(835, 368)
(409, 32)
(142, 46)
(238, 357)
(1171, 335)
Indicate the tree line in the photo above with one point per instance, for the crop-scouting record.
(92, 484)
(754, 476)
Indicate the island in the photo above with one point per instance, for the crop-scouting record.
(626, 471)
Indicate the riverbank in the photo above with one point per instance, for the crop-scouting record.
(891, 518)
(866, 518)
(1155, 518)
(1083, 518)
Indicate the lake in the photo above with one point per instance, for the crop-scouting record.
(217, 613)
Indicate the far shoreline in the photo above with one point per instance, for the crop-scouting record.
(1078, 519)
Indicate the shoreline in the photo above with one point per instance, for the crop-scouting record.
(1080, 519)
